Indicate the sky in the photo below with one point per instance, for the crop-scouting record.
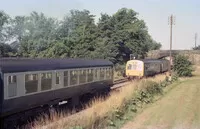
(154, 12)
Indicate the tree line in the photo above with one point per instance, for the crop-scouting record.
(113, 37)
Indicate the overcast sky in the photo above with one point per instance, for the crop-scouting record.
(154, 12)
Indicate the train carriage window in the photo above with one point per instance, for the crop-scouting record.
(46, 81)
(73, 77)
(107, 73)
(12, 86)
(147, 66)
(12, 79)
(111, 73)
(102, 73)
(96, 71)
(31, 83)
(90, 75)
(66, 78)
(57, 78)
(82, 76)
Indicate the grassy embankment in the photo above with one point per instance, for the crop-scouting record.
(178, 109)
(118, 108)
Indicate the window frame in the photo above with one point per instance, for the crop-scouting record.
(68, 78)
(10, 80)
(41, 78)
(102, 78)
(92, 75)
(58, 77)
(37, 79)
(77, 81)
(82, 72)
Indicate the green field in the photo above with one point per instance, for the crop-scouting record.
(178, 109)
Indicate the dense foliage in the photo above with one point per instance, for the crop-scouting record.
(182, 66)
(76, 35)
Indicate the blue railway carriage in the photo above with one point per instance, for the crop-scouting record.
(27, 83)
(146, 67)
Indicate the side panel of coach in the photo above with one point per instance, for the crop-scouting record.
(1, 91)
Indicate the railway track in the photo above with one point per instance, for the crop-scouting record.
(120, 83)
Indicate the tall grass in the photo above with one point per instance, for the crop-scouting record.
(98, 111)
(196, 72)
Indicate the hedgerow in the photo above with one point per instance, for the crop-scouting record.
(182, 66)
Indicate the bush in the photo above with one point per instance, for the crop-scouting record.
(182, 66)
(174, 77)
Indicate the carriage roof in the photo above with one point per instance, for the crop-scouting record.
(11, 65)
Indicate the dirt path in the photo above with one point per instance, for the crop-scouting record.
(178, 109)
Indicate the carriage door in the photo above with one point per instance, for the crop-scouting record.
(11, 86)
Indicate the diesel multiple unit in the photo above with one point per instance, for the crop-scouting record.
(28, 83)
(146, 67)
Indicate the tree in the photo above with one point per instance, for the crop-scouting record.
(38, 34)
(81, 33)
(182, 66)
(19, 28)
(126, 34)
(57, 50)
(4, 20)
(6, 50)
(114, 37)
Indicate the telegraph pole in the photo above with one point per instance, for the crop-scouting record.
(171, 23)
(195, 39)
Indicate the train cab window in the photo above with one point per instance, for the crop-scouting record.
(46, 81)
(82, 76)
(102, 73)
(31, 83)
(129, 67)
(12, 86)
(57, 78)
(66, 78)
(90, 75)
(134, 66)
(73, 77)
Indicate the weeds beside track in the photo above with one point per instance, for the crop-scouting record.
(98, 111)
